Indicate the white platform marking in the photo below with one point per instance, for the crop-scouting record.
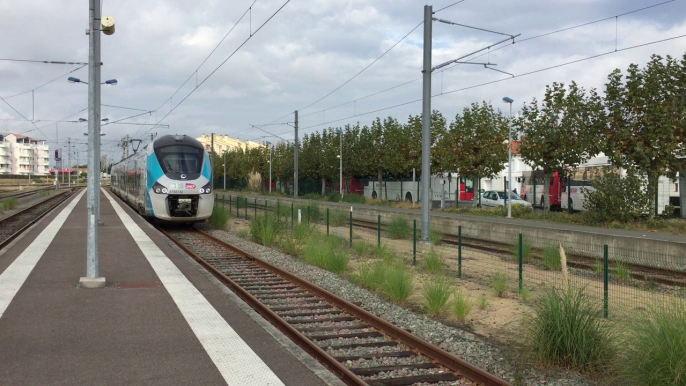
(236, 361)
(15, 275)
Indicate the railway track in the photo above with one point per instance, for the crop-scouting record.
(586, 263)
(14, 225)
(361, 348)
(21, 194)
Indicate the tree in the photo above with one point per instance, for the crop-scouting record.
(643, 114)
(474, 143)
(562, 133)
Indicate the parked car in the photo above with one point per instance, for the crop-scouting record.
(493, 198)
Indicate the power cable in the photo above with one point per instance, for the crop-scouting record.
(47, 83)
(446, 7)
(32, 122)
(42, 61)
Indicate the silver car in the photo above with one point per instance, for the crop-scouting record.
(494, 198)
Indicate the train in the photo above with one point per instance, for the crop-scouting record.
(170, 180)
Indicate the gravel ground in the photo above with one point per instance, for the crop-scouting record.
(462, 344)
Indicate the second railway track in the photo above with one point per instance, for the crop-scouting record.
(361, 348)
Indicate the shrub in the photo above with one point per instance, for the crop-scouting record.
(354, 198)
(462, 306)
(333, 197)
(399, 228)
(655, 347)
(565, 329)
(499, 284)
(433, 262)
(551, 257)
(337, 261)
(398, 283)
(372, 276)
(527, 249)
(265, 229)
(436, 294)
(219, 217)
(617, 198)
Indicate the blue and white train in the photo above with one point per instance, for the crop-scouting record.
(169, 180)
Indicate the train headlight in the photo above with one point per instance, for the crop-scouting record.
(207, 189)
(159, 188)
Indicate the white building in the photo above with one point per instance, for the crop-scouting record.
(21, 155)
(224, 143)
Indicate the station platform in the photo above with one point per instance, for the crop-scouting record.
(160, 320)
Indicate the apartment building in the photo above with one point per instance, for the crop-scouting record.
(224, 143)
(21, 155)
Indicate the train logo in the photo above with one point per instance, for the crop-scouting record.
(190, 186)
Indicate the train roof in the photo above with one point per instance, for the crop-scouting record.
(169, 140)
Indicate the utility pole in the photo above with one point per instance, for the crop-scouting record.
(69, 161)
(295, 158)
(98, 145)
(78, 170)
(426, 123)
(212, 161)
(93, 279)
(224, 169)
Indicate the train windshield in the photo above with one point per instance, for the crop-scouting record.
(180, 159)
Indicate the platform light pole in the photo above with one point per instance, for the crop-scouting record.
(340, 166)
(509, 159)
(270, 166)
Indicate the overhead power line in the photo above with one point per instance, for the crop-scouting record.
(47, 83)
(42, 61)
(448, 6)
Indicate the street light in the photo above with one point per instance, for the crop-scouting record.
(340, 156)
(509, 160)
(270, 166)
(111, 82)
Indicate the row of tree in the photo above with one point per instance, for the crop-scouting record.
(638, 123)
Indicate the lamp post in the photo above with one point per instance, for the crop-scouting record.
(340, 156)
(270, 166)
(509, 160)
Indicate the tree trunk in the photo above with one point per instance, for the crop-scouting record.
(652, 192)
(477, 191)
(546, 192)
(323, 186)
(379, 194)
(682, 192)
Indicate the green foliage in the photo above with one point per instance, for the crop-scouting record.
(44, 193)
(398, 283)
(302, 231)
(565, 329)
(655, 347)
(372, 275)
(399, 228)
(433, 261)
(622, 272)
(241, 202)
(598, 267)
(483, 302)
(527, 250)
(525, 294)
(362, 248)
(551, 257)
(384, 253)
(333, 197)
(616, 198)
(462, 305)
(325, 252)
(354, 199)
(338, 218)
(499, 284)
(436, 294)
(219, 217)
(265, 229)
(435, 237)
(289, 245)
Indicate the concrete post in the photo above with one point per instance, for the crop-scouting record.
(426, 124)
(295, 158)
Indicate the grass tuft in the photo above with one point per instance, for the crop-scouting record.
(362, 248)
(433, 262)
(384, 253)
(326, 252)
(499, 284)
(655, 347)
(462, 306)
(372, 276)
(337, 218)
(483, 301)
(435, 237)
(399, 228)
(622, 271)
(551, 257)
(436, 294)
(398, 283)
(527, 249)
(565, 329)
(219, 217)
(525, 294)
(265, 229)
(9, 203)
(289, 246)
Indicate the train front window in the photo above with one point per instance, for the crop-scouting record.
(180, 159)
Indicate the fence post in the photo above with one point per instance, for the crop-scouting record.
(327, 221)
(266, 206)
(606, 258)
(459, 251)
(521, 263)
(378, 232)
(246, 208)
(351, 228)
(414, 243)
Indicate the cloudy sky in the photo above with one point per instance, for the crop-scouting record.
(307, 50)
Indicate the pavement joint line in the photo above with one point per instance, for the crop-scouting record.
(238, 364)
(13, 278)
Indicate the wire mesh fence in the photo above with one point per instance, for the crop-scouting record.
(623, 280)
